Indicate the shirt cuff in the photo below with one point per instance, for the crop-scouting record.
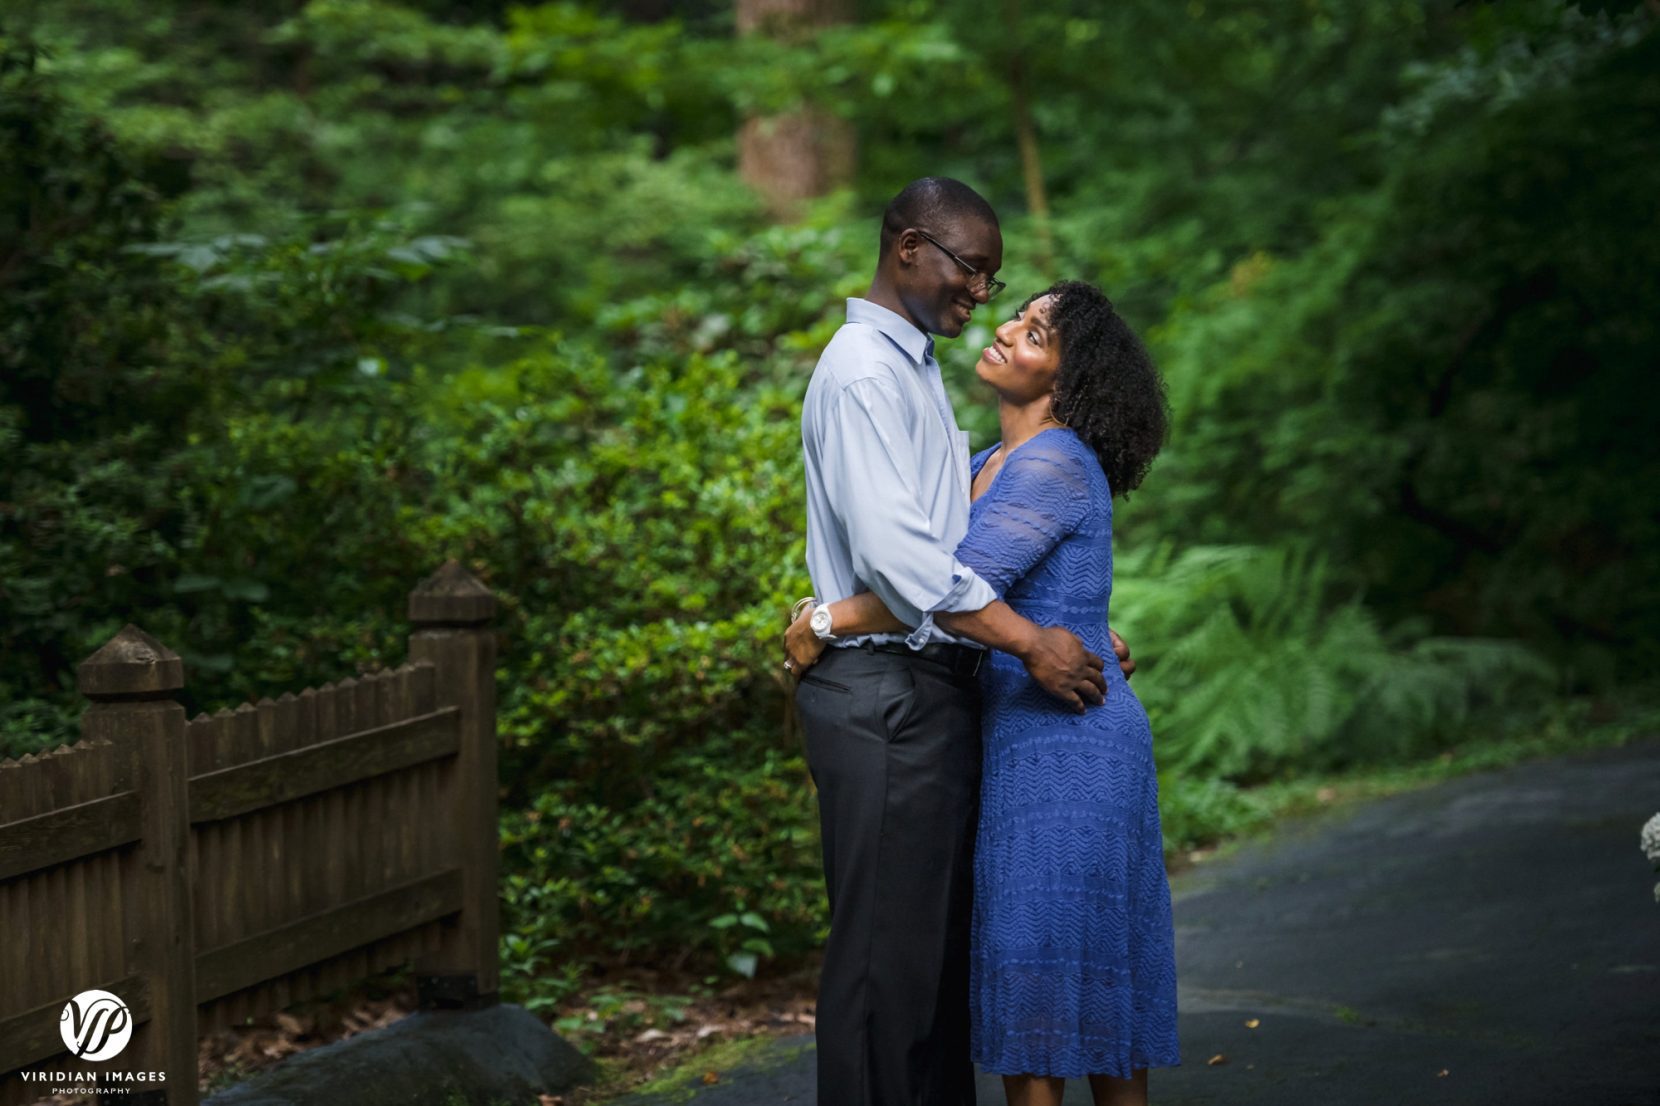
(969, 593)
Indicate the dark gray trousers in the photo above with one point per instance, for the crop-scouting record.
(894, 747)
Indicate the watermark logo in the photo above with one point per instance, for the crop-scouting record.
(95, 1025)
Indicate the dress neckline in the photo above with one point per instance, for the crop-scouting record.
(974, 470)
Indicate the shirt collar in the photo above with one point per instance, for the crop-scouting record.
(912, 342)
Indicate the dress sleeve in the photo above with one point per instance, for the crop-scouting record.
(1039, 498)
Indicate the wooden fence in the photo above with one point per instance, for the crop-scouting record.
(210, 870)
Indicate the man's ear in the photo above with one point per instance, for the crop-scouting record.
(905, 247)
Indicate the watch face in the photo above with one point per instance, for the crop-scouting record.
(821, 621)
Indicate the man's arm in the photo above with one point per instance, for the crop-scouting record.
(866, 465)
(866, 614)
(868, 476)
(1054, 656)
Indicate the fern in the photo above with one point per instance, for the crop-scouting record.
(1250, 665)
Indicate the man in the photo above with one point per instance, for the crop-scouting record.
(892, 721)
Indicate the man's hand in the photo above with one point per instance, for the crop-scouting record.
(801, 645)
(1058, 661)
(1122, 652)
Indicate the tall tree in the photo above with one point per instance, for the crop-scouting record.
(1031, 161)
(798, 154)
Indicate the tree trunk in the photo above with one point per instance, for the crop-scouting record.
(1031, 162)
(804, 153)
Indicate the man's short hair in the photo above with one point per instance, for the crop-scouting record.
(932, 203)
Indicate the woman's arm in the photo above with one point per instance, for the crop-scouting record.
(857, 614)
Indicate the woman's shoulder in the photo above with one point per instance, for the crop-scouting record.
(979, 458)
(1059, 449)
(1065, 467)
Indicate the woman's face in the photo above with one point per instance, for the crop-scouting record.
(1026, 356)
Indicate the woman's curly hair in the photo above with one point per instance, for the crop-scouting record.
(1107, 388)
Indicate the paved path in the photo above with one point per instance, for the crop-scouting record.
(1488, 940)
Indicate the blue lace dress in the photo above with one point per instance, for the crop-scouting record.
(1073, 960)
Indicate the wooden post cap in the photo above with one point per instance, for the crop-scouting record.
(451, 596)
(130, 663)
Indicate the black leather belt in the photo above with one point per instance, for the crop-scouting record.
(962, 660)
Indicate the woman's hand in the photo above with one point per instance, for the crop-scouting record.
(1122, 652)
(801, 646)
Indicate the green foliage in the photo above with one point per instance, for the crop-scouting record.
(1438, 389)
(1195, 810)
(718, 851)
(300, 300)
(751, 940)
(1259, 671)
(252, 427)
(622, 1012)
(644, 525)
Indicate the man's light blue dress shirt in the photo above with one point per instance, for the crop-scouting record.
(887, 476)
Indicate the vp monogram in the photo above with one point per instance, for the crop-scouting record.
(95, 1025)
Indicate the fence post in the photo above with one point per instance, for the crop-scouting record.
(451, 612)
(131, 682)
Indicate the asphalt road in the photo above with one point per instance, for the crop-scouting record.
(1493, 939)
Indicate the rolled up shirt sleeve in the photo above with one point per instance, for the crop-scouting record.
(869, 478)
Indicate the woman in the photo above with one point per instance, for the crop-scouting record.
(1073, 967)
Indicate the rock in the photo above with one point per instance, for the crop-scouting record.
(499, 1055)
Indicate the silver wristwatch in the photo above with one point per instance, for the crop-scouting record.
(820, 622)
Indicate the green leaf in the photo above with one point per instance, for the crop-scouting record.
(192, 582)
(251, 591)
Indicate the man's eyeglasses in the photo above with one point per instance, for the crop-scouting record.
(978, 282)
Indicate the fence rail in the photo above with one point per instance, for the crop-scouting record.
(224, 867)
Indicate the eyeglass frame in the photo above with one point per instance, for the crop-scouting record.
(993, 287)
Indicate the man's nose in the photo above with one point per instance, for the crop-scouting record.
(980, 293)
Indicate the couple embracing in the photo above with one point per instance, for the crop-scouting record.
(986, 785)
